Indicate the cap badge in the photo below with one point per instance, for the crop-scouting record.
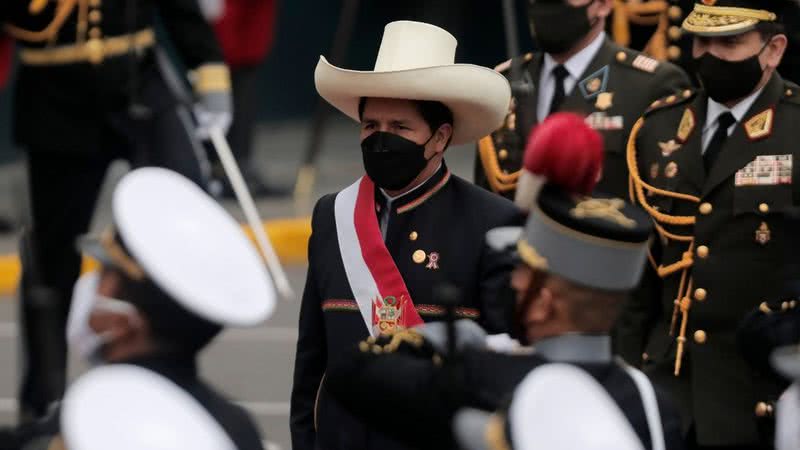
(609, 209)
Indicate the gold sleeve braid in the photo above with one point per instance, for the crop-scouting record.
(498, 181)
(682, 302)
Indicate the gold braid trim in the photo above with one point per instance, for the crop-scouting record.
(682, 301)
(495, 433)
(214, 77)
(63, 11)
(744, 13)
(498, 181)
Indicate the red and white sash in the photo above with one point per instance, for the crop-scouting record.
(378, 287)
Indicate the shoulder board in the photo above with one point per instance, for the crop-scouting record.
(638, 61)
(791, 93)
(505, 66)
(672, 100)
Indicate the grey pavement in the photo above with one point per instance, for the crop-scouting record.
(254, 366)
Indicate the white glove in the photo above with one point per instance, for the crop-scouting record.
(469, 335)
(213, 111)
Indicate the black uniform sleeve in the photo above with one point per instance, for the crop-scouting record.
(671, 422)
(311, 357)
(497, 299)
(637, 318)
(669, 80)
(191, 33)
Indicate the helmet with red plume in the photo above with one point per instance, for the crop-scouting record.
(562, 150)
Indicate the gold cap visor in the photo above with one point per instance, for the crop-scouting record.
(724, 21)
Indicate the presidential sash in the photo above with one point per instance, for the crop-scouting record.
(380, 292)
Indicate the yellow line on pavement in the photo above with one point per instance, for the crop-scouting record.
(288, 236)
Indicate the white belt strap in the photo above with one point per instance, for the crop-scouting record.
(650, 404)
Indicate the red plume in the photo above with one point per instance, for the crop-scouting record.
(566, 151)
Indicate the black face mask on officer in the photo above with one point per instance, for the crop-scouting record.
(557, 26)
(391, 161)
(725, 81)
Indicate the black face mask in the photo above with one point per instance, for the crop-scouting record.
(558, 26)
(725, 81)
(392, 161)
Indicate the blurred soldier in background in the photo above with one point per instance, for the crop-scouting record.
(174, 270)
(580, 70)
(90, 90)
(245, 29)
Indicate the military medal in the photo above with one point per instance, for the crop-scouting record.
(594, 85)
(763, 234)
(669, 147)
(604, 101)
(419, 256)
(671, 169)
(654, 171)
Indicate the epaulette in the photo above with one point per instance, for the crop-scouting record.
(639, 61)
(671, 100)
(791, 93)
(505, 66)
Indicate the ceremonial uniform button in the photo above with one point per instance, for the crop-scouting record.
(645, 356)
(413, 236)
(502, 154)
(419, 256)
(702, 251)
(700, 294)
(789, 92)
(687, 93)
(95, 50)
(700, 336)
(674, 33)
(621, 56)
(94, 3)
(763, 208)
(706, 208)
(95, 33)
(673, 52)
(763, 409)
(675, 12)
(95, 16)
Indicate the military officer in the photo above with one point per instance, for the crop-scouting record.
(90, 89)
(714, 168)
(380, 246)
(565, 309)
(175, 269)
(581, 70)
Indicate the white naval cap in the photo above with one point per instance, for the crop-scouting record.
(557, 406)
(191, 248)
(126, 407)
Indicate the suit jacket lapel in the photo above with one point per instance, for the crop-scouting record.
(738, 149)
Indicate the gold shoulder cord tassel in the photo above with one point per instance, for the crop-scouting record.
(637, 187)
(499, 181)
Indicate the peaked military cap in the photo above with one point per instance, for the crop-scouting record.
(731, 17)
(598, 242)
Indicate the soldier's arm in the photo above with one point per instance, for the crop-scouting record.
(310, 359)
(669, 80)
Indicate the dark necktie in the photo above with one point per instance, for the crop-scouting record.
(561, 74)
(724, 121)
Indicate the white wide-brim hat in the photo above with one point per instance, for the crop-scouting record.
(125, 407)
(191, 248)
(416, 61)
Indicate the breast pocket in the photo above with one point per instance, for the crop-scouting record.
(762, 200)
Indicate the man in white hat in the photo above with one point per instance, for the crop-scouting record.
(380, 247)
(175, 269)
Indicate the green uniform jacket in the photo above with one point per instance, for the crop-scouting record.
(734, 254)
(616, 88)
